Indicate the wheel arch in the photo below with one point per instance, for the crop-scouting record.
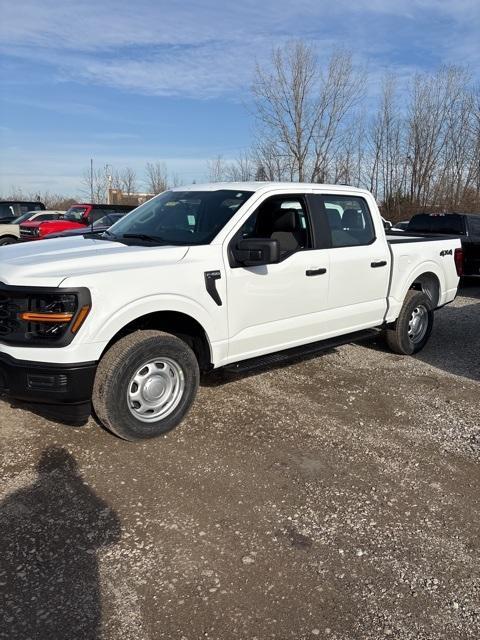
(8, 236)
(429, 283)
(177, 323)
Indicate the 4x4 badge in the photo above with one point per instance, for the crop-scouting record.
(446, 252)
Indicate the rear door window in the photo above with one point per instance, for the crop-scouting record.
(349, 220)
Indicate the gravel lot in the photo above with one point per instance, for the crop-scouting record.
(336, 498)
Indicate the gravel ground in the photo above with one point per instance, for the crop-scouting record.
(336, 498)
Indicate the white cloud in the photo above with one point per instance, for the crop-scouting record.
(208, 50)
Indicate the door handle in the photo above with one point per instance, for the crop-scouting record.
(315, 272)
(380, 263)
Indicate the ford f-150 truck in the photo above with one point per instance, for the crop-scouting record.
(202, 277)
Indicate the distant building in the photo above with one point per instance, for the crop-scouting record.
(116, 196)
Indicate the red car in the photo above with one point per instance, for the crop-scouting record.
(78, 216)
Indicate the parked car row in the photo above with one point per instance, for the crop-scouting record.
(34, 222)
(10, 231)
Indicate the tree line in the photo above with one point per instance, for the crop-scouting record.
(418, 149)
(97, 182)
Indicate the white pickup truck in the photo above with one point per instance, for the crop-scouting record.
(202, 277)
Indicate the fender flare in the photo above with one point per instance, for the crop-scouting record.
(425, 267)
(113, 323)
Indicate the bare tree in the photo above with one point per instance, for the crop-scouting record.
(341, 89)
(388, 169)
(302, 112)
(285, 104)
(217, 169)
(432, 100)
(95, 184)
(271, 162)
(242, 169)
(157, 177)
(126, 180)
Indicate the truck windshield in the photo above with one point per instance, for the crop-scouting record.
(22, 218)
(181, 217)
(75, 214)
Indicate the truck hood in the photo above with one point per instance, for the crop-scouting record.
(49, 262)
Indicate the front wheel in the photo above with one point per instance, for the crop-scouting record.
(145, 384)
(412, 329)
(7, 240)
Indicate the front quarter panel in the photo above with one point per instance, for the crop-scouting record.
(121, 297)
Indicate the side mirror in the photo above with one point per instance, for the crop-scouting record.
(252, 252)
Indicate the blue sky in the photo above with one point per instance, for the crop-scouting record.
(144, 80)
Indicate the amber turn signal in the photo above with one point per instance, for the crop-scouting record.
(46, 317)
(82, 314)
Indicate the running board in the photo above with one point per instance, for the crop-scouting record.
(298, 352)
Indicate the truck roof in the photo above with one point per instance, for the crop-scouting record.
(257, 186)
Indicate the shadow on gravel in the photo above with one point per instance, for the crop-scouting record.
(50, 532)
(66, 415)
(470, 287)
(221, 377)
(454, 346)
(455, 343)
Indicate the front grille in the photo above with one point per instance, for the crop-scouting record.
(26, 233)
(9, 310)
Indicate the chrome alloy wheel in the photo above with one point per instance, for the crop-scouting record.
(418, 324)
(155, 390)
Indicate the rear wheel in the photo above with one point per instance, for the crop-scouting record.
(8, 240)
(145, 384)
(413, 326)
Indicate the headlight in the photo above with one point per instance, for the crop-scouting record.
(42, 316)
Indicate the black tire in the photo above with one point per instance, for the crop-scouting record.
(400, 336)
(8, 240)
(113, 383)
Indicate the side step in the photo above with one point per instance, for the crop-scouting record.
(297, 353)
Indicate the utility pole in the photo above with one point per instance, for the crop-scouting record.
(91, 180)
(109, 182)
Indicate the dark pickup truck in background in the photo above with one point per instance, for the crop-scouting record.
(464, 225)
(10, 209)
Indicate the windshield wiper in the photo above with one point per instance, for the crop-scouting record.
(142, 236)
(157, 239)
(99, 235)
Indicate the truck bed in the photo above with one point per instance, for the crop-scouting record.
(401, 237)
(437, 263)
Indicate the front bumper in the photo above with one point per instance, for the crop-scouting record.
(47, 383)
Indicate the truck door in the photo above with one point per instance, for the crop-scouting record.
(277, 306)
(360, 262)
